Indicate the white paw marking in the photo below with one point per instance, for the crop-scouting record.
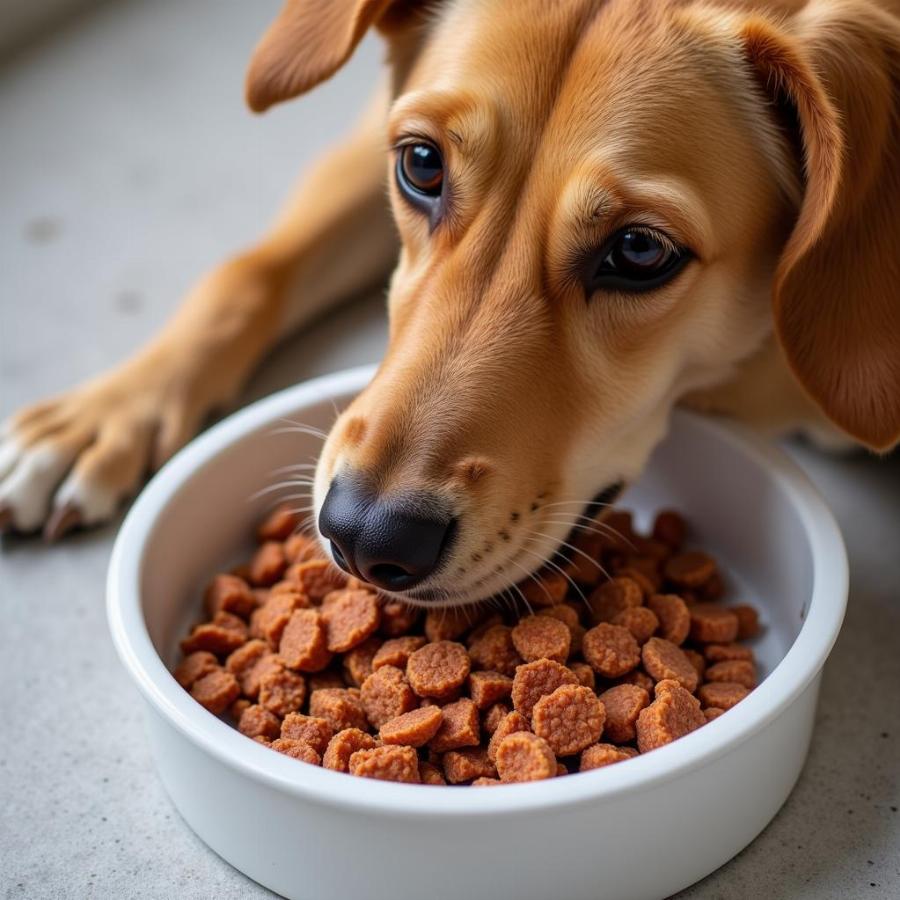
(30, 484)
(10, 451)
(96, 502)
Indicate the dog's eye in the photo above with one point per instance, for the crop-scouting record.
(636, 259)
(420, 171)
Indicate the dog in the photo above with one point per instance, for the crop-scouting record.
(604, 208)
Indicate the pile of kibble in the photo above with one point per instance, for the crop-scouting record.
(600, 668)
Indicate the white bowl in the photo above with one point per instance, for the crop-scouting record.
(644, 828)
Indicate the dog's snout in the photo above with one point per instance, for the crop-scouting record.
(392, 542)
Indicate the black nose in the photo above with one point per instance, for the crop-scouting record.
(392, 542)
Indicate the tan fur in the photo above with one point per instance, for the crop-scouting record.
(504, 389)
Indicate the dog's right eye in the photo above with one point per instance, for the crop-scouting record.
(420, 173)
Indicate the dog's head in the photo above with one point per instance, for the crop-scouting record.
(602, 204)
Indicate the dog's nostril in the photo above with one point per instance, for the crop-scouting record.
(391, 576)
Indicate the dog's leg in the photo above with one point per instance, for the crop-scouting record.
(72, 459)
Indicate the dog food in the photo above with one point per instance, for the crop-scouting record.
(595, 670)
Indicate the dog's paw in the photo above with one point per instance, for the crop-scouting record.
(72, 460)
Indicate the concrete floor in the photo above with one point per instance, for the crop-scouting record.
(127, 166)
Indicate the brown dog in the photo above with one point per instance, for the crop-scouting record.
(605, 207)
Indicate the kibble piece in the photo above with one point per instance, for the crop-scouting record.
(720, 652)
(303, 643)
(488, 688)
(599, 755)
(674, 713)
(388, 763)
(690, 570)
(535, 679)
(350, 618)
(228, 593)
(195, 665)
(269, 620)
(721, 694)
(486, 782)
(255, 720)
(343, 745)
(461, 766)
(413, 729)
(544, 589)
(542, 637)
(300, 548)
(317, 732)
(430, 774)
(268, 564)
(584, 673)
(318, 577)
(674, 617)
(614, 596)
(740, 671)
(639, 620)
(569, 719)
(282, 691)
(358, 663)
(510, 724)
(640, 678)
(649, 584)
(385, 695)
(611, 650)
(670, 528)
(242, 660)
(438, 670)
(279, 525)
(696, 660)
(397, 618)
(748, 621)
(236, 710)
(525, 757)
(623, 704)
(494, 651)
(662, 660)
(342, 709)
(712, 712)
(397, 651)
(493, 716)
(251, 677)
(216, 690)
(225, 633)
(459, 727)
(296, 750)
(713, 624)
(449, 623)
(562, 611)
(325, 680)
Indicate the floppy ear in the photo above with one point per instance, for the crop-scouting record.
(308, 42)
(835, 72)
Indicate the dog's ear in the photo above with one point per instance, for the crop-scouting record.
(310, 40)
(833, 72)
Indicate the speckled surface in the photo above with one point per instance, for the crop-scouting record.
(128, 165)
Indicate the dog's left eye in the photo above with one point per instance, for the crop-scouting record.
(420, 171)
(635, 259)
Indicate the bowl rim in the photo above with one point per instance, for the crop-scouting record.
(169, 700)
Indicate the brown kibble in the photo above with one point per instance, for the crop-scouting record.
(564, 612)
(674, 713)
(640, 678)
(584, 673)
(485, 782)
(413, 729)
(449, 623)
(623, 704)
(325, 680)
(721, 694)
(315, 731)
(350, 617)
(341, 708)
(748, 621)
(388, 763)
(649, 584)
(255, 720)
(236, 710)
(662, 659)
(494, 651)
(740, 671)
(670, 528)
(343, 745)
(251, 677)
(397, 618)
(282, 691)
(242, 660)
(438, 670)
(195, 665)
(358, 662)
(674, 617)
(385, 695)
(721, 652)
(639, 620)
(459, 727)
(569, 719)
(397, 651)
(713, 624)
(487, 688)
(303, 641)
(690, 570)
(296, 750)
(300, 548)
(430, 774)
(269, 620)
(535, 679)
(465, 765)
(268, 564)
(510, 724)
(613, 597)
(542, 637)
(525, 757)
(599, 755)
(318, 577)
(492, 718)
(216, 690)
(279, 525)
(228, 593)
(544, 589)
(611, 650)
(696, 660)
(712, 712)
(225, 633)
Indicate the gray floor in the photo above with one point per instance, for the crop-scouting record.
(128, 165)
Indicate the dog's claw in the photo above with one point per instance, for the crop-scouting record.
(6, 519)
(62, 520)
